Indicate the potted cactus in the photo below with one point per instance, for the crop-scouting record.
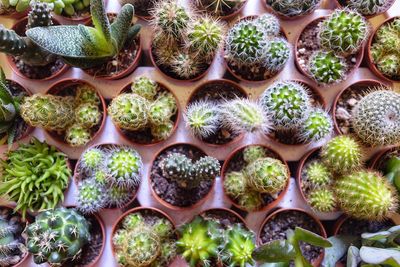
(383, 53)
(183, 45)
(71, 111)
(292, 9)
(220, 9)
(142, 7)
(297, 113)
(290, 226)
(107, 176)
(368, 8)
(255, 48)
(37, 166)
(145, 111)
(13, 250)
(182, 176)
(330, 48)
(203, 111)
(225, 217)
(255, 178)
(144, 237)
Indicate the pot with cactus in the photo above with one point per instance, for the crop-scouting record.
(292, 9)
(383, 52)
(297, 112)
(182, 176)
(226, 217)
(144, 236)
(145, 112)
(204, 117)
(255, 178)
(142, 7)
(367, 8)
(330, 48)
(107, 176)
(222, 9)
(387, 162)
(183, 46)
(256, 49)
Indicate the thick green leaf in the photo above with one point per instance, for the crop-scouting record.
(133, 32)
(121, 26)
(340, 245)
(100, 20)
(353, 256)
(376, 236)
(2, 76)
(275, 251)
(5, 95)
(311, 238)
(380, 256)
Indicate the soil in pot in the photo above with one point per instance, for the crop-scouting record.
(224, 217)
(225, 10)
(218, 91)
(276, 227)
(82, 14)
(169, 190)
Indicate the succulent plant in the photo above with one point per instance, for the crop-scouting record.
(206, 168)
(35, 176)
(162, 131)
(344, 31)
(144, 87)
(269, 23)
(368, 7)
(376, 118)
(219, 7)
(253, 152)
(186, 65)
(317, 174)
(239, 246)
(202, 118)
(322, 200)
(277, 53)
(267, 175)
(86, 94)
(91, 197)
(251, 201)
(235, 184)
(118, 196)
(161, 110)
(87, 115)
(287, 102)
(77, 135)
(342, 154)
(326, 67)
(57, 236)
(92, 159)
(316, 126)
(389, 65)
(366, 195)
(40, 15)
(293, 8)
(19, 5)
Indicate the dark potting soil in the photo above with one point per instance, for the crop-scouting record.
(255, 72)
(207, 6)
(6, 11)
(218, 92)
(169, 190)
(38, 72)
(276, 228)
(79, 14)
(224, 217)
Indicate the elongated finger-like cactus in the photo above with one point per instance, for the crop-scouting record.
(202, 118)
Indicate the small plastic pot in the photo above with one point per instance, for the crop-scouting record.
(322, 232)
(340, 4)
(224, 170)
(290, 18)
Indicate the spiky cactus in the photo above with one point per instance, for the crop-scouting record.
(144, 87)
(277, 53)
(269, 24)
(322, 200)
(293, 8)
(251, 200)
(186, 65)
(219, 7)
(239, 246)
(267, 175)
(87, 115)
(342, 154)
(57, 236)
(366, 195)
(177, 166)
(344, 31)
(326, 67)
(235, 184)
(287, 102)
(376, 118)
(252, 153)
(86, 94)
(39, 15)
(76, 135)
(162, 131)
(317, 174)
(161, 110)
(92, 159)
(118, 196)
(202, 118)
(206, 168)
(92, 197)
(316, 126)
(368, 7)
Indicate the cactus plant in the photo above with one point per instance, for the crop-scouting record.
(91, 197)
(144, 87)
(322, 200)
(6, 6)
(251, 200)
(202, 118)
(277, 53)
(57, 236)
(219, 8)
(326, 67)
(87, 115)
(162, 131)
(34, 165)
(77, 135)
(316, 126)
(252, 153)
(235, 184)
(342, 154)
(293, 8)
(368, 7)
(269, 23)
(366, 195)
(317, 174)
(376, 118)
(118, 196)
(92, 159)
(239, 246)
(186, 65)
(86, 94)
(162, 109)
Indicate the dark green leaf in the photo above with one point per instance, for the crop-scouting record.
(100, 20)
(275, 251)
(133, 32)
(311, 238)
(121, 26)
(5, 95)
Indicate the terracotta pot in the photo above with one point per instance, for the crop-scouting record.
(77, 174)
(66, 83)
(322, 232)
(17, 28)
(359, 55)
(239, 77)
(16, 15)
(225, 168)
(201, 87)
(165, 203)
(338, 3)
(234, 213)
(125, 89)
(117, 224)
(370, 63)
(290, 18)
(366, 82)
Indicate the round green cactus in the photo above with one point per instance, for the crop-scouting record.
(251, 200)
(287, 102)
(342, 154)
(77, 135)
(92, 159)
(239, 246)
(39, 15)
(118, 196)
(88, 115)
(129, 112)
(235, 184)
(389, 65)
(316, 126)
(91, 197)
(277, 53)
(86, 94)
(369, 7)
(160, 111)
(252, 153)
(269, 24)
(178, 167)
(101, 177)
(376, 118)
(186, 65)
(317, 174)
(293, 8)
(344, 31)
(202, 118)
(57, 236)
(162, 131)
(168, 99)
(145, 87)
(326, 67)
(322, 200)
(267, 175)
(366, 195)
(12, 248)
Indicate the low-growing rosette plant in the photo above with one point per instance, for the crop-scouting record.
(368, 8)
(224, 9)
(292, 9)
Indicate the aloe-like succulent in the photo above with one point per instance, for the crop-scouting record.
(368, 7)
(326, 67)
(293, 8)
(202, 118)
(316, 126)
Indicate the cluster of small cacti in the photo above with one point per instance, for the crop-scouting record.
(183, 44)
(253, 47)
(64, 7)
(73, 116)
(204, 241)
(261, 175)
(293, 8)
(369, 7)
(57, 235)
(219, 8)
(108, 177)
(147, 106)
(289, 105)
(145, 240)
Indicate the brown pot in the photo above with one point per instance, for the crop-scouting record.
(234, 85)
(340, 5)
(359, 55)
(78, 20)
(17, 28)
(316, 262)
(225, 168)
(65, 83)
(366, 82)
(14, 15)
(125, 89)
(290, 18)
(370, 62)
(165, 203)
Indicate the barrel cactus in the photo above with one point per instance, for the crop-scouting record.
(235, 184)
(88, 115)
(317, 174)
(316, 126)
(92, 159)
(322, 200)
(253, 152)
(77, 135)
(326, 67)
(92, 197)
(86, 94)
(144, 87)
(269, 24)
